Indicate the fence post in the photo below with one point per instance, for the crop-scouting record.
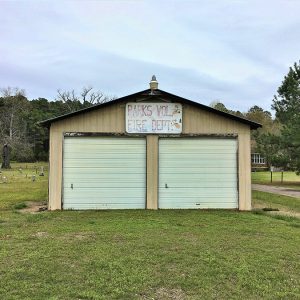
(271, 176)
(281, 176)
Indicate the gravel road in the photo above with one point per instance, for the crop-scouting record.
(276, 190)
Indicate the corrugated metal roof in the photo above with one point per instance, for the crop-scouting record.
(147, 95)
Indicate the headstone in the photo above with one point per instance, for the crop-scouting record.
(42, 171)
(4, 179)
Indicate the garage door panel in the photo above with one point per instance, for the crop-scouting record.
(104, 154)
(106, 148)
(185, 170)
(105, 176)
(200, 155)
(197, 192)
(199, 142)
(107, 170)
(109, 162)
(113, 205)
(100, 141)
(105, 203)
(103, 184)
(192, 183)
(202, 205)
(108, 199)
(199, 164)
(195, 173)
(198, 177)
(109, 179)
(103, 196)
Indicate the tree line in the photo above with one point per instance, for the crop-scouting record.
(278, 140)
(20, 130)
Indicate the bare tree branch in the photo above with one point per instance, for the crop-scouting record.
(87, 98)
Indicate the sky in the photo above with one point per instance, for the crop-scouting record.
(235, 52)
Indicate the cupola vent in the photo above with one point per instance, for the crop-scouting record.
(153, 83)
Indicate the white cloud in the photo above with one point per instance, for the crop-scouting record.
(234, 51)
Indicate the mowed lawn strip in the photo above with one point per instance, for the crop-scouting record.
(187, 254)
(276, 201)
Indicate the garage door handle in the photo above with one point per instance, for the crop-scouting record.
(166, 186)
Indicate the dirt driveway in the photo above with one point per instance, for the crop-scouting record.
(276, 190)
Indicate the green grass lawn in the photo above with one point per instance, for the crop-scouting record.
(148, 254)
(290, 179)
(140, 254)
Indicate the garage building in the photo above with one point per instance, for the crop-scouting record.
(150, 150)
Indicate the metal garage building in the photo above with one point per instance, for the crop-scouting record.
(151, 149)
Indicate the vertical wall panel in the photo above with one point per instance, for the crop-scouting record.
(152, 171)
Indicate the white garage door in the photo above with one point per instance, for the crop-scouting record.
(104, 173)
(198, 173)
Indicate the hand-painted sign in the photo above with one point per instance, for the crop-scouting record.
(153, 117)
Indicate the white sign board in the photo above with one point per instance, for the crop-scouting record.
(153, 117)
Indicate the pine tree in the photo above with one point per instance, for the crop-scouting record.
(287, 103)
(287, 107)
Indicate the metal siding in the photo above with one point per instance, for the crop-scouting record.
(199, 173)
(106, 173)
(111, 119)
